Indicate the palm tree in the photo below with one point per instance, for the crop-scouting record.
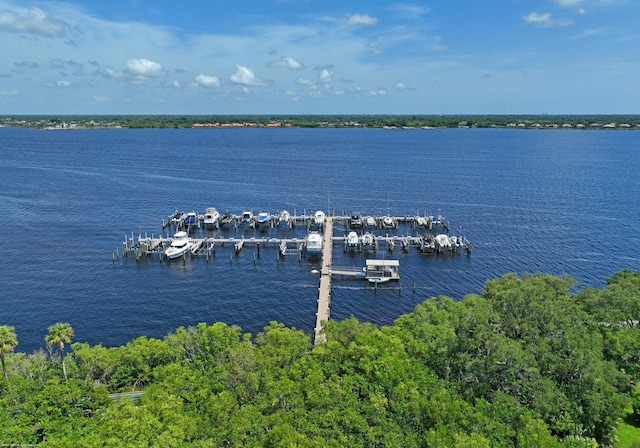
(8, 341)
(59, 334)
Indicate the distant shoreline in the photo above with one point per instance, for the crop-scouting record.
(390, 122)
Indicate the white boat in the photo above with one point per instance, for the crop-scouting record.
(388, 223)
(376, 280)
(284, 217)
(318, 218)
(247, 217)
(352, 239)
(367, 239)
(180, 244)
(370, 221)
(442, 242)
(313, 243)
(263, 219)
(211, 216)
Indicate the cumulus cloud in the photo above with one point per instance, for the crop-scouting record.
(545, 20)
(244, 76)
(326, 76)
(207, 81)
(137, 71)
(35, 21)
(287, 62)
(440, 47)
(361, 20)
(143, 69)
(379, 92)
(12, 92)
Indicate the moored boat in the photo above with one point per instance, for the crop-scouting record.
(263, 219)
(355, 222)
(180, 244)
(190, 221)
(352, 239)
(318, 218)
(313, 243)
(211, 216)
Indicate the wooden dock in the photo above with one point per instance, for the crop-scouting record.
(324, 290)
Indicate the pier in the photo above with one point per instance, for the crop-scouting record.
(324, 290)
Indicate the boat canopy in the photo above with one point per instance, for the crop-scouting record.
(382, 263)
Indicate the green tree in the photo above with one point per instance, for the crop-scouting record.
(60, 333)
(8, 341)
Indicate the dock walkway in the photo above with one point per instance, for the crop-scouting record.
(324, 290)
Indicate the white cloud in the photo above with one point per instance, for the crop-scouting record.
(439, 47)
(361, 20)
(244, 76)
(35, 21)
(326, 76)
(568, 3)
(137, 71)
(143, 69)
(379, 92)
(12, 92)
(207, 81)
(287, 62)
(305, 82)
(545, 20)
(175, 83)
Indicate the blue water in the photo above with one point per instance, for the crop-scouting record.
(551, 201)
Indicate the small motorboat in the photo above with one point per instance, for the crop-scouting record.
(247, 217)
(318, 218)
(388, 223)
(263, 219)
(356, 220)
(352, 239)
(211, 216)
(190, 221)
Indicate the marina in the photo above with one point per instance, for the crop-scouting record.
(366, 234)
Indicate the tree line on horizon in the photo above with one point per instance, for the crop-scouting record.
(525, 363)
(317, 121)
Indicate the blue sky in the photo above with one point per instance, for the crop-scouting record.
(320, 57)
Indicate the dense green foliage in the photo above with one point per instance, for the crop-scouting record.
(526, 363)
